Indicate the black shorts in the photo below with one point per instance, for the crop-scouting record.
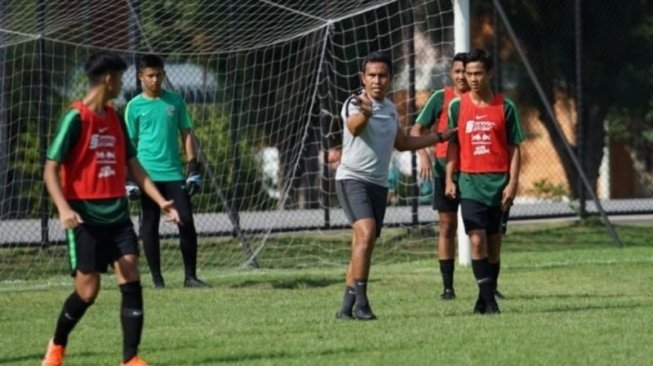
(92, 248)
(477, 216)
(361, 200)
(441, 202)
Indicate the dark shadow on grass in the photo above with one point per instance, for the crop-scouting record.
(563, 296)
(266, 356)
(589, 307)
(289, 284)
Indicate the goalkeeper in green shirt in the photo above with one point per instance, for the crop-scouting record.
(155, 120)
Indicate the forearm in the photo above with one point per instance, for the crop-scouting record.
(356, 123)
(189, 144)
(417, 142)
(515, 166)
(419, 130)
(452, 160)
(51, 179)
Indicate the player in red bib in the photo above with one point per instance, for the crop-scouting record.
(435, 115)
(85, 175)
(486, 150)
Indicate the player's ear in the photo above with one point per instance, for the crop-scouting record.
(361, 75)
(107, 79)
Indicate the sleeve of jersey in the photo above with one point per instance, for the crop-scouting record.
(348, 109)
(454, 110)
(431, 110)
(131, 123)
(514, 127)
(184, 118)
(65, 136)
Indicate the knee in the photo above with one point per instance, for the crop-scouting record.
(88, 295)
(187, 225)
(448, 229)
(365, 235)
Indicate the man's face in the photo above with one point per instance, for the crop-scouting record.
(376, 79)
(152, 78)
(114, 84)
(477, 77)
(457, 74)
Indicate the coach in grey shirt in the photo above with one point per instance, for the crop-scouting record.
(371, 132)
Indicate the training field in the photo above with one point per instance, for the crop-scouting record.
(572, 299)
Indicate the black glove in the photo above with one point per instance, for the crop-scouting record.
(193, 177)
(133, 192)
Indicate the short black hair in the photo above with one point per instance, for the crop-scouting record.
(460, 56)
(377, 57)
(150, 60)
(479, 55)
(101, 63)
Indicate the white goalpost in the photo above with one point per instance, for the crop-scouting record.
(462, 44)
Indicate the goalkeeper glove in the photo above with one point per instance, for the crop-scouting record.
(133, 192)
(193, 177)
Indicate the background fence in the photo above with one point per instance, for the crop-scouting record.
(265, 81)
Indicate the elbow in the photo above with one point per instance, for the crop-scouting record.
(355, 131)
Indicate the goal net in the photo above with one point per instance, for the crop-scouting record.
(264, 81)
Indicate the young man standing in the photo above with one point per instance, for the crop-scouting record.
(92, 152)
(486, 150)
(155, 120)
(371, 131)
(435, 112)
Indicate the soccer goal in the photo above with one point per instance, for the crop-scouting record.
(264, 81)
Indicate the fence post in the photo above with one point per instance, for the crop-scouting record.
(580, 106)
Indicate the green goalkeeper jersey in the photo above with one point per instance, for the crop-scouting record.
(154, 126)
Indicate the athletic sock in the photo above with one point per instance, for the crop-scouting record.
(360, 287)
(447, 269)
(495, 268)
(131, 318)
(348, 300)
(481, 269)
(72, 311)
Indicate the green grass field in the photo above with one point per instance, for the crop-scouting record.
(572, 299)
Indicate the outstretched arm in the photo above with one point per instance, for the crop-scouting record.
(403, 142)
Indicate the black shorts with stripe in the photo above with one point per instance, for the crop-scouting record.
(361, 200)
(92, 248)
(441, 202)
(477, 216)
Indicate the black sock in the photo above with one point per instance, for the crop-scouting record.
(348, 300)
(360, 286)
(131, 318)
(72, 311)
(446, 269)
(495, 268)
(481, 269)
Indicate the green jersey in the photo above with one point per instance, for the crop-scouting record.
(154, 126)
(94, 212)
(487, 188)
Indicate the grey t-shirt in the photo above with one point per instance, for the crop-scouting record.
(367, 156)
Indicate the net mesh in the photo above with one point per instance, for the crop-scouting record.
(264, 81)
